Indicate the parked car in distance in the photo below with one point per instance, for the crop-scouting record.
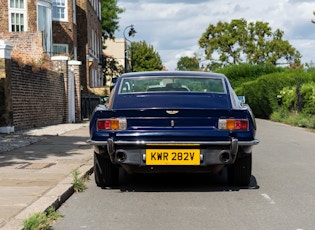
(172, 121)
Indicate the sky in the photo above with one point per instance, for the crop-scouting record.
(173, 27)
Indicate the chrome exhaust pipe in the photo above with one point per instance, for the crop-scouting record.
(121, 155)
(224, 156)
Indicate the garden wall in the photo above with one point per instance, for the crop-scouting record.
(38, 98)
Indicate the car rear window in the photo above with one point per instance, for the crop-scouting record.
(153, 84)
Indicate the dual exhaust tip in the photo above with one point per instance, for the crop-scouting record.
(121, 155)
(224, 156)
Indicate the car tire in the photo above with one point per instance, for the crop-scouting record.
(239, 173)
(105, 172)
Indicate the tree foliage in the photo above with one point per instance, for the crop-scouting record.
(254, 43)
(112, 68)
(188, 63)
(110, 12)
(143, 57)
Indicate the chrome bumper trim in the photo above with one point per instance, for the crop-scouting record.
(240, 143)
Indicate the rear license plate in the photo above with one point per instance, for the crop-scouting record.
(173, 156)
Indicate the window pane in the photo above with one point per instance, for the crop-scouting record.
(60, 49)
(17, 20)
(21, 19)
(18, 4)
(13, 18)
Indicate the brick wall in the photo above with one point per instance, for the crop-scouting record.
(6, 117)
(38, 97)
(27, 46)
(4, 25)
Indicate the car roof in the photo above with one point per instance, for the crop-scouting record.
(173, 73)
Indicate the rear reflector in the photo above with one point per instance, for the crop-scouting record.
(233, 124)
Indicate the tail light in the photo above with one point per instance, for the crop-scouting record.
(112, 124)
(233, 124)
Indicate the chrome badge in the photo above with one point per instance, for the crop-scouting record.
(172, 111)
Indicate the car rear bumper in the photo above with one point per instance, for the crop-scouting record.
(211, 152)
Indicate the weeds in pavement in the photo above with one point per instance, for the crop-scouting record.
(41, 220)
(78, 182)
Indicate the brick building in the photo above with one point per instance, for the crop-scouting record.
(89, 29)
(40, 30)
(66, 27)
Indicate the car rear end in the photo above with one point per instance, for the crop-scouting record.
(173, 131)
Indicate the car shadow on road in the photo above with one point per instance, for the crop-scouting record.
(179, 182)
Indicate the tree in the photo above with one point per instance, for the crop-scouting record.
(143, 57)
(254, 43)
(188, 63)
(111, 68)
(110, 12)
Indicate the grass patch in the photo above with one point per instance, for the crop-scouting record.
(41, 220)
(294, 119)
(78, 182)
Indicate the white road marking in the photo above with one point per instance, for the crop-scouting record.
(268, 198)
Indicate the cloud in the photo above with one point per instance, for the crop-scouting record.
(174, 27)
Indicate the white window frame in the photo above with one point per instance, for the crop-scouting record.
(74, 13)
(21, 11)
(65, 19)
(99, 10)
(47, 28)
(66, 46)
(75, 53)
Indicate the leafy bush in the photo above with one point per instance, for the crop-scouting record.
(289, 98)
(308, 98)
(262, 93)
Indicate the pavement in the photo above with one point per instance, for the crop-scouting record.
(37, 173)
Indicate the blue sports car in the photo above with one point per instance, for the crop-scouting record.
(176, 121)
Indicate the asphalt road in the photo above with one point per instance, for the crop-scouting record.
(281, 194)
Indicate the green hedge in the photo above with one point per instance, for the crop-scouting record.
(262, 94)
(239, 74)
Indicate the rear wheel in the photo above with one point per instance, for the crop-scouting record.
(105, 172)
(240, 172)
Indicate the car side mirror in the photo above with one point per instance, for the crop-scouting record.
(241, 99)
(103, 100)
